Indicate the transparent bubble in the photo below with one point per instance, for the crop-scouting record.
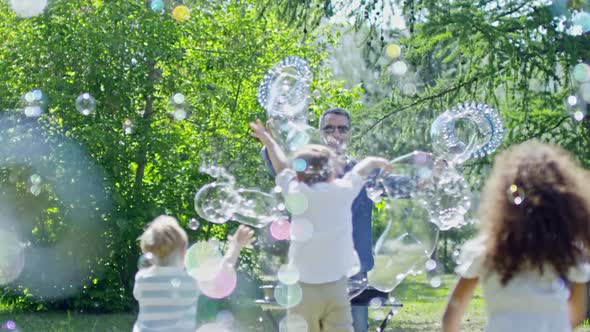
(293, 323)
(200, 252)
(181, 13)
(585, 92)
(193, 224)
(216, 202)
(291, 135)
(296, 203)
(376, 303)
(299, 165)
(316, 94)
(219, 173)
(288, 296)
(216, 280)
(576, 107)
(430, 265)
(225, 318)
(435, 282)
(256, 208)
(128, 127)
(9, 325)
(34, 103)
(157, 5)
(409, 89)
(35, 179)
(391, 299)
(280, 229)
(456, 255)
(146, 260)
(178, 107)
(393, 51)
(288, 274)
(35, 190)
(399, 68)
(515, 194)
(12, 257)
(85, 104)
(581, 19)
(301, 230)
(28, 8)
(581, 72)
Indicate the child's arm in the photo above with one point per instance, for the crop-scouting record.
(457, 304)
(364, 167)
(277, 157)
(242, 237)
(577, 303)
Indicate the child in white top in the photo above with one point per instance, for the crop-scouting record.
(166, 293)
(530, 256)
(321, 249)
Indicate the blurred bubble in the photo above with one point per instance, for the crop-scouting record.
(515, 194)
(219, 173)
(280, 229)
(35, 179)
(146, 260)
(585, 92)
(296, 203)
(391, 299)
(409, 89)
(581, 72)
(430, 265)
(35, 190)
(375, 303)
(157, 5)
(34, 103)
(576, 107)
(301, 230)
(225, 318)
(193, 224)
(435, 282)
(200, 252)
(85, 104)
(299, 165)
(12, 257)
(177, 107)
(9, 325)
(288, 296)
(399, 68)
(288, 274)
(455, 255)
(293, 323)
(255, 208)
(216, 280)
(393, 51)
(216, 202)
(316, 94)
(582, 20)
(181, 13)
(28, 8)
(128, 127)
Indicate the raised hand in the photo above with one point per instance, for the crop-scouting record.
(244, 236)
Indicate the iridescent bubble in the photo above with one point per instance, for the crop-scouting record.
(455, 255)
(293, 323)
(146, 260)
(216, 202)
(280, 229)
(393, 51)
(256, 208)
(200, 252)
(296, 203)
(128, 127)
(430, 265)
(288, 274)
(582, 20)
(515, 194)
(216, 280)
(181, 13)
(85, 104)
(35, 179)
(435, 282)
(9, 325)
(193, 224)
(299, 165)
(34, 103)
(399, 68)
(157, 5)
(301, 230)
(12, 257)
(28, 8)
(409, 89)
(581, 72)
(288, 296)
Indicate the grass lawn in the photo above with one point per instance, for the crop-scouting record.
(423, 306)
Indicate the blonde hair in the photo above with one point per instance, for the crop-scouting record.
(163, 237)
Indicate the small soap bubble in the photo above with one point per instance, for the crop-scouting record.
(193, 224)
(376, 303)
(430, 265)
(181, 13)
(157, 5)
(9, 325)
(399, 68)
(128, 127)
(288, 296)
(393, 51)
(435, 282)
(299, 165)
(34, 103)
(296, 203)
(35, 190)
(515, 194)
(85, 104)
(280, 229)
(35, 179)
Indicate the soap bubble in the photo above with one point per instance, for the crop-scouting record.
(28, 8)
(288, 296)
(178, 107)
(181, 13)
(255, 208)
(157, 5)
(515, 194)
(280, 229)
(216, 202)
(576, 107)
(193, 224)
(393, 51)
(291, 135)
(128, 127)
(85, 104)
(34, 103)
(288, 274)
(216, 279)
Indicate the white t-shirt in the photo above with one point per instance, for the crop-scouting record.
(530, 301)
(322, 248)
(167, 299)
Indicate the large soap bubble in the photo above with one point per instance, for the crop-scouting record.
(292, 135)
(216, 202)
(284, 89)
(216, 278)
(256, 208)
(468, 130)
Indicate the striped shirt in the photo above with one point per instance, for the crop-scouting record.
(167, 299)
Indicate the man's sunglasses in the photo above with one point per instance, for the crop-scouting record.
(329, 129)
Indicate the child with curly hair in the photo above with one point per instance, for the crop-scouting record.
(530, 255)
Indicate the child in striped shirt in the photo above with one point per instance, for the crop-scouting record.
(166, 293)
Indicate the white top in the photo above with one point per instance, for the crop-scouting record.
(530, 301)
(167, 299)
(322, 248)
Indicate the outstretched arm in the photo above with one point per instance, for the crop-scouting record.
(277, 157)
(577, 303)
(369, 164)
(457, 304)
(243, 236)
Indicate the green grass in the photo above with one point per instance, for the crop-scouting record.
(423, 307)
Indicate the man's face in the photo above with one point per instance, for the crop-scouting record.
(335, 131)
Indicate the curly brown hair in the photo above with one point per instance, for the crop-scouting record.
(536, 210)
(318, 163)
